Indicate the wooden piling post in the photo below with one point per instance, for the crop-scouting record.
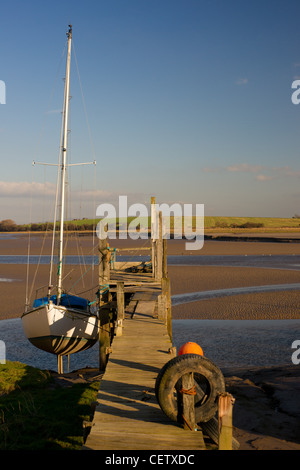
(186, 405)
(153, 230)
(166, 293)
(104, 336)
(120, 308)
(162, 308)
(104, 313)
(165, 265)
(159, 251)
(104, 272)
(225, 406)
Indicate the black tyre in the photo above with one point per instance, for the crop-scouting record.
(208, 379)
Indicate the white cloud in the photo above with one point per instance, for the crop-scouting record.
(25, 189)
(261, 177)
(97, 194)
(245, 167)
(242, 81)
(273, 172)
(35, 189)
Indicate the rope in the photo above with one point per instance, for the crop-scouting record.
(188, 391)
(112, 257)
(187, 423)
(102, 289)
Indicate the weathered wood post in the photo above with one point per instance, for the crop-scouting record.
(165, 264)
(153, 232)
(186, 401)
(162, 308)
(166, 295)
(120, 308)
(159, 250)
(225, 406)
(104, 336)
(104, 272)
(104, 313)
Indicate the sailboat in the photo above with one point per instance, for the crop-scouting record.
(61, 323)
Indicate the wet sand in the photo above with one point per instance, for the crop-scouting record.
(17, 244)
(276, 305)
(266, 412)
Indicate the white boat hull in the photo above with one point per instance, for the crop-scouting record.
(60, 330)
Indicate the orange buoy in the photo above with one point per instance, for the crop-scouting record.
(190, 348)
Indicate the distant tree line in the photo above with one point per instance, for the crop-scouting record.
(9, 225)
(222, 224)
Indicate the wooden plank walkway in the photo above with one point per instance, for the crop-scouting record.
(127, 415)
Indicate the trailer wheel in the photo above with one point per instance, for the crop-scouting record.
(208, 379)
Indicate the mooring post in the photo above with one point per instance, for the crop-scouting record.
(104, 272)
(120, 308)
(165, 264)
(225, 406)
(153, 231)
(186, 405)
(166, 294)
(162, 308)
(104, 336)
(104, 313)
(159, 250)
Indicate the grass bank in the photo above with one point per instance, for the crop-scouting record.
(39, 413)
(211, 223)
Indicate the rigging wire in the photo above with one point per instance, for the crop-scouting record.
(27, 294)
(55, 205)
(84, 105)
(57, 190)
(29, 245)
(93, 156)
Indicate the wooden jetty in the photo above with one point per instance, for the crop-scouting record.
(134, 346)
(127, 415)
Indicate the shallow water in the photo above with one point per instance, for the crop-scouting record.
(290, 262)
(240, 343)
(213, 294)
(228, 343)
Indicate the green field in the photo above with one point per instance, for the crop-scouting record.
(246, 223)
(227, 223)
(211, 223)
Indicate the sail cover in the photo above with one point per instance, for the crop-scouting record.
(65, 300)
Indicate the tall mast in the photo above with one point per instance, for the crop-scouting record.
(64, 161)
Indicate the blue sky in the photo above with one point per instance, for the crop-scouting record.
(187, 100)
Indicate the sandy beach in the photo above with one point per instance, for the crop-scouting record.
(266, 412)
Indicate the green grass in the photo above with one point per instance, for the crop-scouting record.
(265, 222)
(217, 221)
(36, 414)
(260, 224)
